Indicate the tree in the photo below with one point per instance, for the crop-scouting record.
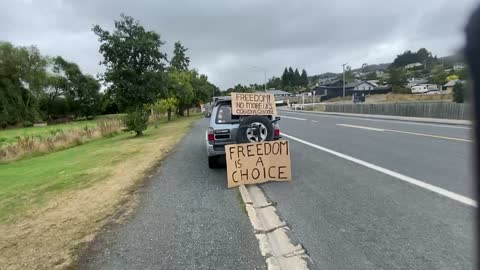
(241, 88)
(22, 79)
(291, 76)
(285, 77)
(179, 60)
(422, 56)
(304, 78)
(180, 87)
(134, 63)
(32, 73)
(438, 75)
(404, 59)
(54, 102)
(452, 77)
(81, 90)
(88, 97)
(136, 120)
(349, 76)
(462, 74)
(108, 103)
(296, 78)
(397, 79)
(203, 90)
(275, 83)
(459, 90)
(364, 67)
(166, 105)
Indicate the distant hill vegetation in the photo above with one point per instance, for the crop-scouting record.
(422, 56)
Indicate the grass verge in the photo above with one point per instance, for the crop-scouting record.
(51, 204)
(8, 136)
(32, 145)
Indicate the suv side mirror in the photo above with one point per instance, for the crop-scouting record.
(208, 114)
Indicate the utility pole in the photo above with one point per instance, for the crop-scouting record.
(343, 67)
(265, 80)
(264, 77)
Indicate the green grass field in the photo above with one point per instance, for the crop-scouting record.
(10, 135)
(32, 181)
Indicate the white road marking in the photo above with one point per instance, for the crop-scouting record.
(407, 132)
(294, 118)
(315, 121)
(361, 127)
(382, 120)
(438, 190)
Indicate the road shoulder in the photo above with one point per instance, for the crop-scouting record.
(187, 219)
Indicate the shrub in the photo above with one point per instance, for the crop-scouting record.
(401, 90)
(55, 131)
(109, 126)
(459, 90)
(27, 124)
(28, 145)
(136, 121)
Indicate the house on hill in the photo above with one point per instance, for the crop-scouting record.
(458, 66)
(413, 65)
(335, 89)
(277, 93)
(416, 81)
(449, 85)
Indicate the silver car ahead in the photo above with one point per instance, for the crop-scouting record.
(222, 130)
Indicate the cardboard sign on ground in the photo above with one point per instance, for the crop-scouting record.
(253, 104)
(253, 163)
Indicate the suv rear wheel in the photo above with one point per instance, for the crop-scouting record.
(213, 162)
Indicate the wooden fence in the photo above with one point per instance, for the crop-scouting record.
(446, 110)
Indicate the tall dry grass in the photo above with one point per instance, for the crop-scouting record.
(58, 140)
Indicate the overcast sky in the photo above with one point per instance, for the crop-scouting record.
(227, 38)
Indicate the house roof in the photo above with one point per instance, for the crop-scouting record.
(330, 82)
(275, 92)
(452, 83)
(353, 84)
(374, 82)
(418, 81)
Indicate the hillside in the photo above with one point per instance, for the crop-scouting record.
(370, 68)
(446, 60)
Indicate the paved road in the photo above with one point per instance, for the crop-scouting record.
(346, 215)
(187, 220)
(349, 216)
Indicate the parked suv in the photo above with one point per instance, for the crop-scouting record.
(225, 128)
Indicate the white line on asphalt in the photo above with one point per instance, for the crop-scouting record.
(407, 132)
(438, 190)
(381, 120)
(294, 118)
(315, 121)
(361, 127)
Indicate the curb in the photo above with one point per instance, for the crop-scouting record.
(272, 233)
(389, 117)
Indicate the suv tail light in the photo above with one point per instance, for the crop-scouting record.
(211, 136)
(276, 132)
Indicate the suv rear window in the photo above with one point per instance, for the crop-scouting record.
(224, 115)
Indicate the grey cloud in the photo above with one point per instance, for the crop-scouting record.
(226, 38)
